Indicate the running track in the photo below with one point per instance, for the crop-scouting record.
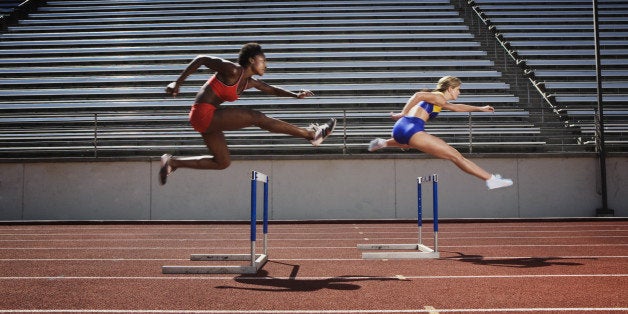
(498, 267)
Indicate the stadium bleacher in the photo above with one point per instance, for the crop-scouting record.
(556, 41)
(86, 78)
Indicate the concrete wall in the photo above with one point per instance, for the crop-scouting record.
(304, 189)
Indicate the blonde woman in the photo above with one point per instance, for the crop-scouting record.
(409, 130)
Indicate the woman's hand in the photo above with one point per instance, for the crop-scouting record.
(172, 89)
(396, 116)
(487, 109)
(304, 93)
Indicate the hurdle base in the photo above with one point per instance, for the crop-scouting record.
(260, 260)
(420, 251)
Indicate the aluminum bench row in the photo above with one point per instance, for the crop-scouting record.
(134, 117)
(178, 9)
(53, 3)
(306, 77)
(341, 102)
(192, 48)
(546, 5)
(142, 4)
(158, 91)
(438, 24)
(554, 3)
(446, 33)
(209, 15)
(220, 40)
(581, 73)
(28, 60)
(424, 65)
(620, 99)
(578, 53)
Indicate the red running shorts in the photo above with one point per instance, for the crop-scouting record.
(201, 116)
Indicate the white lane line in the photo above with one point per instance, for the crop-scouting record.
(317, 226)
(581, 245)
(303, 259)
(156, 259)
(309, 233)
(193, 277)
(431, 309)
(545, 239)
(424, 310)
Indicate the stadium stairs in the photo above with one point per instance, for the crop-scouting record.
(553, 44)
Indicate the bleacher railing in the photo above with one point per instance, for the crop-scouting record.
(124, 134)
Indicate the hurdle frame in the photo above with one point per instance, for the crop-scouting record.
(418, 250)
(257, 261)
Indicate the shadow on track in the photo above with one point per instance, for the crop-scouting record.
(292, 283)
(519, 262)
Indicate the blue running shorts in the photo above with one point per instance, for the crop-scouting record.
(406, 127)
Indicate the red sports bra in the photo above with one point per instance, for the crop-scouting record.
(225, 92)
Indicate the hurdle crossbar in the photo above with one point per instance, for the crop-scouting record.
(256, 261)
(418, 250)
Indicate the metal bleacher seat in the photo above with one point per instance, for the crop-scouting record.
(556, 41)
(86, 78)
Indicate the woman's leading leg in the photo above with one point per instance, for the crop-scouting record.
(237, 118)
(436, 147)
(228, 119)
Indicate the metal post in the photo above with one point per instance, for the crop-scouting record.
(435, 202)
(420, 208)
(604, 211)
(253, 216)
(266, 217)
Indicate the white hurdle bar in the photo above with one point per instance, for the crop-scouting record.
(418, 250)
(257, 261)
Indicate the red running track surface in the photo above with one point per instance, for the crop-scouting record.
(498, 267)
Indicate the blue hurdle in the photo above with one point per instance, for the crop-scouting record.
(418, 250)
(257, 261)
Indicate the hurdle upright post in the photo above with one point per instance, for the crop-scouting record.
(435, 202)
(253, 215)
(419, 206)
(265, 224)
(257, 261)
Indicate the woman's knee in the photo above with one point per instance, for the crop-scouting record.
(453, 155)
(457, 158)
(222, 163)
(258, 117)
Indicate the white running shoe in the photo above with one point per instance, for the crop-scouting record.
(376, 144)
(496, 181)
(322, 131)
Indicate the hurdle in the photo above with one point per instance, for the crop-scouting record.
(257, 261)
(418, 250)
